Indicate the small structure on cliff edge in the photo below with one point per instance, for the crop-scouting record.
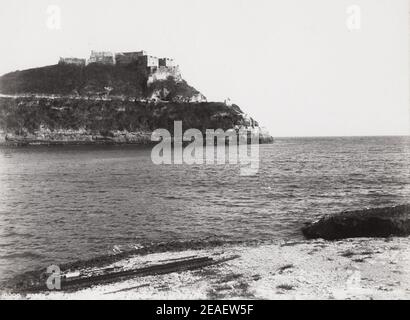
(142, 58)
(102, 57)
(124, 58)
(166, 62)
(75, 61)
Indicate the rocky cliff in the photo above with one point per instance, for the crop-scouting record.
(98, 80)
(30, 120)
(97, 103)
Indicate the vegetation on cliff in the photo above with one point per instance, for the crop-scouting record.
(91, 80)
(67, 102)
(27, 115)
(171, 90)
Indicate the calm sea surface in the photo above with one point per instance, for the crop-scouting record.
(59, 204)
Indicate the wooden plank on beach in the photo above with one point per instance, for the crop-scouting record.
(157, 269)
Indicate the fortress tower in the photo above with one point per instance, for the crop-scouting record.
(103, 57)
(75, 61)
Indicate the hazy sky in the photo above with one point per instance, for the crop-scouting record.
(294, 65)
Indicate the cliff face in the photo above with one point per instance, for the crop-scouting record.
(68, 103)
(32, 120)
(99, 80)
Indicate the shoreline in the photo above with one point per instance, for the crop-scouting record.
(89, 140)
(357, 268)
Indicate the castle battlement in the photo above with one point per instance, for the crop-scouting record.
(76, 61)
(166, 62)
(158, 68)
(102, 57)
(122, 58)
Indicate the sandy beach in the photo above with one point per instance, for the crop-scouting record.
(361, 268)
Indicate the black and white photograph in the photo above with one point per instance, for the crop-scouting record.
(207, 150)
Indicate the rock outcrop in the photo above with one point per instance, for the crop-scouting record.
(98, 81)
(107, 103)
(376, 222)
(58, 120)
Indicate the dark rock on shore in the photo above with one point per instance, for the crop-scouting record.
(376, 222)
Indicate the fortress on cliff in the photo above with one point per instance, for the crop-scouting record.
(157, 68)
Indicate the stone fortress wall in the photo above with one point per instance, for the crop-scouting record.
(76, 61)
(158, 68)
(162, 73)
(123, 58)
(103, 57)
